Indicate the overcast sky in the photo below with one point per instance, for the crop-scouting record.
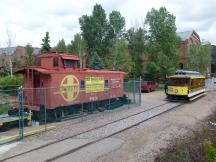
(28, 20)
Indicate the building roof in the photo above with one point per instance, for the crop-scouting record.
(7, 50)
(36, 50)
(12, 50)
(185, 35)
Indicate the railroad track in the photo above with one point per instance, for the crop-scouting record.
(141, 115)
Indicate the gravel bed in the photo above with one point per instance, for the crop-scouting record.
(69, 128)
(72, 127)
(125, 123)
(93, 135)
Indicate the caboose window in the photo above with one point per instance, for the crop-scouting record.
(82, 84)
(55, 61)
(68, 63)
(38, 61)
(106, 84)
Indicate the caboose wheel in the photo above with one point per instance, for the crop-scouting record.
(101, 109)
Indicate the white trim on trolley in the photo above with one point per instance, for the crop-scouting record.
(197, 96)
(195, 93)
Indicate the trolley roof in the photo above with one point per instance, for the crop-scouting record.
(187, 72)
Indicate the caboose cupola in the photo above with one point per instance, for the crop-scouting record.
(57, 60)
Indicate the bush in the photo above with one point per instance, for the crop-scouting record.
(4, 108)
(11, 81)
(210, 151)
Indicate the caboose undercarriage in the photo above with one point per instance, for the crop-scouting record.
(64, 112)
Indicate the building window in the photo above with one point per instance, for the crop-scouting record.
(181, 66)
(55, 61)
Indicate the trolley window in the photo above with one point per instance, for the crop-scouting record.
(178, 82)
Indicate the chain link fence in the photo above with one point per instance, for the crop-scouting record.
(10, 117)
(210, 84)
(26, 110)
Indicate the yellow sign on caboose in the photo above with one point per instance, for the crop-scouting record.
(94, 84)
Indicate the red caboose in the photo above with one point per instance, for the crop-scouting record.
(57, 84)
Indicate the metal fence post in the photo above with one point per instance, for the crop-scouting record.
(134, 82)
(45, 110)
(128, 100)
(82, 112)
(140, 91)
(21, 118)
(109, 97)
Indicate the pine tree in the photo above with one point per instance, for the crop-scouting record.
(95, 62)
(61, 47)
(46, 44)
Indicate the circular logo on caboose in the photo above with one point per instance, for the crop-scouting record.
(69, 88)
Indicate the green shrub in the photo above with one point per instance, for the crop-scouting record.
(11, 81)
(4, 108)
(210, 151)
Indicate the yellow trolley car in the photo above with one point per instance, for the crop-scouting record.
(185, 85)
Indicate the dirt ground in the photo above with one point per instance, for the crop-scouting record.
(140, 143)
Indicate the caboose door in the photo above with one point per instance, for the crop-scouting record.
(36, 89)
(42, 83)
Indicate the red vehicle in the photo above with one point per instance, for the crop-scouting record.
(57, 84)
(148, 86)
